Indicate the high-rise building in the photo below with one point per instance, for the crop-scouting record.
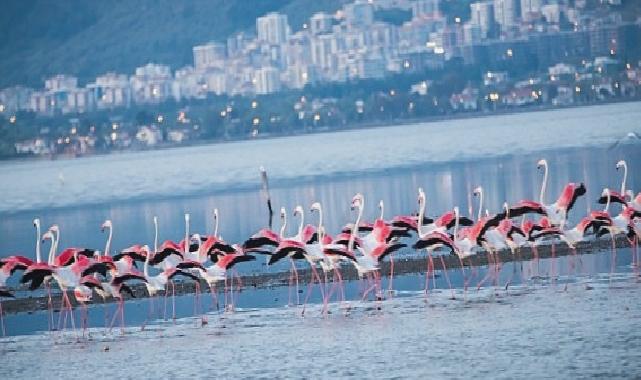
(61, 82)
(267, 80)
(209, 55)
(482, 15)
(424, 8)
(505, 13)
(359, 13)
(320, 23)
(531, 9)
(272, 28)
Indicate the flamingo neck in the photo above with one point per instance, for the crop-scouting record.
(216, 223)
(544, 184)
(108, 245)
(155, 235)
(352, 237)
(52, 251)
(283, 226)
(145, 269)
(186, 248)
(480, 214)
(54, 247)
(421, 215)
(607, 203)
(382, 210)
(300, 226)
(38, 255)
(456, 220)
(625, 176)
(320, 226)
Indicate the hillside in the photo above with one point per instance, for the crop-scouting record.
(88, 38)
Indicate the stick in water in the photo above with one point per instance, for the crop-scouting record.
(265, 192)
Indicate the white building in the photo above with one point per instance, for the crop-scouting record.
(530, 9)
(111, 90)
(15, 99)
(505, 13)
(422, 8)
(61, 82)
(272, 28)
(212, 54)
(267, 80)
(320, 23)
(552, 13)
(152, 83)
(482, 15)
(471, 34)
(358, 14)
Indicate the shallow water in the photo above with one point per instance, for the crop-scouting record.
(587, 327)
(34, 185)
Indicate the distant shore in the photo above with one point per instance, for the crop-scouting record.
(332, 129)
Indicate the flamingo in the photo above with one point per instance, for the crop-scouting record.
(615, 196)
(432, 237)
(218, 271)
(557, 212)
(8, 266)
(157, 283)
(65, 276)
(373, 247)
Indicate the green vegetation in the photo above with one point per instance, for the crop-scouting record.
(87, 38)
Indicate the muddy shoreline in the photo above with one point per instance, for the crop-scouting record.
(402, 265)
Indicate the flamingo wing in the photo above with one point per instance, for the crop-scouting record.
(240, 259)
(175, 273)
(120, 280)
(35, 277)
(162, 255)
(98, 267)
(389, 249)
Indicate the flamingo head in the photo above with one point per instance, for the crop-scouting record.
(380, 204)
(106, 224)
(187, 217)
(316, 206)
(605, 192)
(215, 213)
(542, 162)
(357, 201)
(47, 235)
(620, 164)
(36, 222)
(298, 210)
(456, 211)
(54, 228)
(478, 190)
(155, 219)
(283, 213)
(421, 195)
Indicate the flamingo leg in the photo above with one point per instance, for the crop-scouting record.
(173, 302)
(490, 269)
(391, 274)
(4, 332)
(214, 296)
(49, 307)
(296, 280)
(447, 277)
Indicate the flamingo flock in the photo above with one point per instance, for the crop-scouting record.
(208, 259)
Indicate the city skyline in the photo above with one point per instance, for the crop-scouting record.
(345, 46)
